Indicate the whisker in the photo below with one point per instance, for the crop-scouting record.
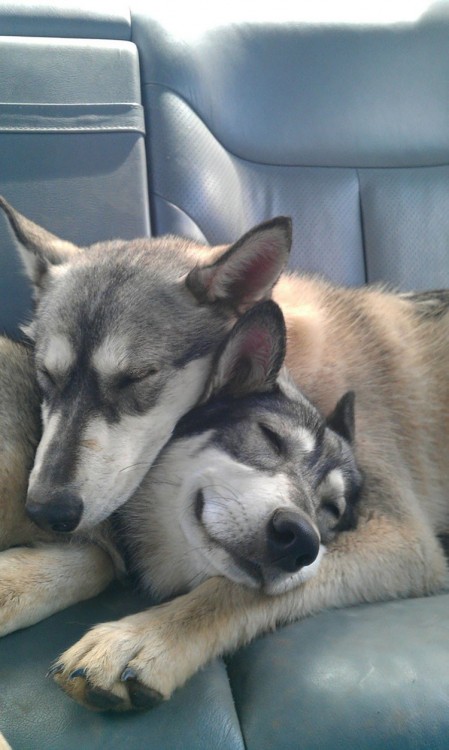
(132, 466)
(153, 480)
(225, 487)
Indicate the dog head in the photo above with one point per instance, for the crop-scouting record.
(124, 333)
(264, 480)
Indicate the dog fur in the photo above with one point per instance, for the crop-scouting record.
(40, 573)
(257, 481)
(3, 744)
(390, 349)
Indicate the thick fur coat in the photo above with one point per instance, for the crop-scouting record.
(390, 349)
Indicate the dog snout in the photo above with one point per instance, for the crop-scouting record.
(291, 541)
(59, 511)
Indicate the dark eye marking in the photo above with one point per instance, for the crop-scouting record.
(273, 438)
(46, 379)
(131, 378)
(332, 509)
(46, 374)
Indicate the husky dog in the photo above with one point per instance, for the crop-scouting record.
(252, 483)
(251, 486)
(125, 336)
(124, 333)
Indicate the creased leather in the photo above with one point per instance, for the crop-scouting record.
(71, 118)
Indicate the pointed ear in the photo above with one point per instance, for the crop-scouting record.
(252, 354)
(342, 419)
(248, 270)
(39, 249)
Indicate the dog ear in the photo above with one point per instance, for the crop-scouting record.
(248, 270)
(252, 354)
(38, 248)
(342, 419)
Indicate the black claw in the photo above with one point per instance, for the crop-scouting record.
(102, 699)
(55, 669)
(143, 698)
(81, 672)
(128, 674)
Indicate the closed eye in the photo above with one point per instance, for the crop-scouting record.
(273, 438)
(332, 509)
(131, 378)
(45, 377)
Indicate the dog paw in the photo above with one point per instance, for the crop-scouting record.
(134, 663)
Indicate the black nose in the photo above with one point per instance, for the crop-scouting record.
(292, 542)
(55, 510)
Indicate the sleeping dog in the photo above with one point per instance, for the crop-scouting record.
(124, 337)
(252, 487)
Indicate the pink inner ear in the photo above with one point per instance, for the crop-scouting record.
(257, 345)
(258, 274)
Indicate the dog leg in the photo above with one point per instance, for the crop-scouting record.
(139, 660)
(19, 436)
(15, 527)
(3, 744)
(36, 582)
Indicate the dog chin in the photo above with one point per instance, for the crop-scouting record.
(281, 584)
(236, 574)
(260, 579)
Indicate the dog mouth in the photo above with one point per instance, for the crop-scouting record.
(271, 582)
(251, 569)
(238, 568)
(243, 568)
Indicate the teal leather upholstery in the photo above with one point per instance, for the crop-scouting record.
(367, 677)
(343, 126)
(67, 18)
(72, 152)
(35, 714)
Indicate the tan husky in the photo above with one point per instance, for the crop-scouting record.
(391, 350)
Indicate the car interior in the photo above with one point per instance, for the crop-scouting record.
(137, 119)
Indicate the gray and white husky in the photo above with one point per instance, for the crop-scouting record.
(252, 484)
(125, 335)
